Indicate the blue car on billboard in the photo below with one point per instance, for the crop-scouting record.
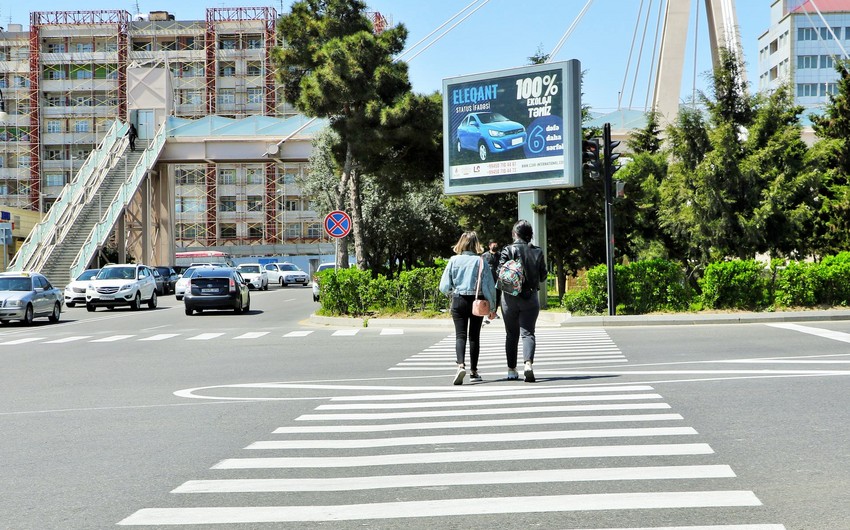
(489, 132)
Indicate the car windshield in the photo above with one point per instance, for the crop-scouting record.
(117, 273)
(189, 272)
(165, 271)
(325, 266)
(491, 117)
(88, 275)
(249, 268)
(289, 267)
(15, 284)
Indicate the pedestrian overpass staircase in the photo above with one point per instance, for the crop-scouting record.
(81, 220)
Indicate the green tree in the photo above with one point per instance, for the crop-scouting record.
(333, 65)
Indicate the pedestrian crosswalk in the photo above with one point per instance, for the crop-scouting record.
(195, 336)
(554, 454)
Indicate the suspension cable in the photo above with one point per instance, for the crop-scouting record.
(456, 24)
(820, 39)
(657, 39)
(629, 60)
(569, 31)
(696, 50)
(640, 54)
(410, 49)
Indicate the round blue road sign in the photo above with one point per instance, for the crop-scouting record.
(337, 224)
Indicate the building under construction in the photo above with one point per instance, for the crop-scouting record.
(65, 80)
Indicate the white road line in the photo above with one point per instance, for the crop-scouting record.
(486, 402)
(820, 332)
(501, 455)
(478, 412)
(297, 334)
(710, 527)
(524, 391)
(691, 372)
(345, 333)
(68, 339)
(252, 335)
(21, 341)
(392, 331)
(454, 425)
(437, 508)
(371, 443)
(205, 336)
(161, 336)
(432, 367)
(113, 338)
(454, 479)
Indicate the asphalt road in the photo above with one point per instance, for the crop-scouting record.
(156, 419)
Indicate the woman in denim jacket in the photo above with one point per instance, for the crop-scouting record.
(460, 278)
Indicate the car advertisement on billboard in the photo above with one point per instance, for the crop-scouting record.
(513, 130)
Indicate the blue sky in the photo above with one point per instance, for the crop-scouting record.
(503, 34)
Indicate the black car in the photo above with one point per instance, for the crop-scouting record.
(169, 277)
(217, 288)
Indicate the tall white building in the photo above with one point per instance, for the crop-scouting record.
(800, 47)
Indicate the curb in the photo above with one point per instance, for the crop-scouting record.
(552, 319)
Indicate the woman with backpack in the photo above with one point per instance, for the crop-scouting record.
(467, 277)
(523, 263)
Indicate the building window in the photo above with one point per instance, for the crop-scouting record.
(807, 61)
(82, 126)
(227, 44)
(227, 70)
(807, 89)
(255, 95)
(55, 154)
(189, 175)
(227, 96)
(255, 42)
(774, 46)
(255, 203)
(255, 230)
(56, 48)
(226, 176)
(188, 205)
(827, 88)
(227, 203)
(826, 61)
(824, 34)
(293, 230)
(54, 126)
(54, 179)
(191, 97)
(255, 68)
(806, 34)
(84, 101)
(227, 230)
(291, 205)
(255, 175)
(314, 230)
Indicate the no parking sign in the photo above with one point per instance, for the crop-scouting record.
(337, 224)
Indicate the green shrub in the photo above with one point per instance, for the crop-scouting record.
(735, 284)
(651, 285)
(798, 284)
(834, 273)
(420, 290)
(345, 291)
(354, 292)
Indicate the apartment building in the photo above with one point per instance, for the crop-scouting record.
(800, 47)
(63, 80)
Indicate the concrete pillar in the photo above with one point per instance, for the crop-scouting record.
(538, 225)
(121, 237)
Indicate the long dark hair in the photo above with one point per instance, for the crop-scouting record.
(522, 230)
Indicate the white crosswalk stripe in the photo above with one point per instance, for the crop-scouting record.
(161, 336)
(68, 339)
(252, 335)
(206, 336)
(345, 332)
(114, 338)
(301, 333)
(587, 449)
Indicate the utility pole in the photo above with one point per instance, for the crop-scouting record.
(608, 170)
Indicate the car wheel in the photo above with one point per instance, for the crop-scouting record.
(189, 311)
(482, 151)
(137, 302)
(238, 307)
(4, 321)
(178, 297)
(54, 316)
(71, 304)
(152, 301)
(28, 316)
(248, 304)
(266, 287)
(281, 283)
(90, 308)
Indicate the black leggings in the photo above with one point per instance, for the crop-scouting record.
(464, 319)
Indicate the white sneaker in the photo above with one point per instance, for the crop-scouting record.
(529, 373)
(461, 373)
(512, 374)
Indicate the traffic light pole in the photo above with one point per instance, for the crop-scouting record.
(607, 175)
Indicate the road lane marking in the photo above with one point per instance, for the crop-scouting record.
(454, 479)
(372, 443)
(345, 333)
(252, 335)
(442, 508)
(475, 393)
(392, 331)
(474, 424)
(161, 336)
(488, 402)
(819, 332)
(466, 457)
(297, 334)
(21, 341)
(68, 339)
(113, 338)
(478, 412)
(206, 336)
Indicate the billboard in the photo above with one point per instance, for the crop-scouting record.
(513, 130)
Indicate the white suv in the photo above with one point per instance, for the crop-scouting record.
(254, 275)
(117, 285)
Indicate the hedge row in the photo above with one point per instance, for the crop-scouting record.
(658, 285)
(641, 287)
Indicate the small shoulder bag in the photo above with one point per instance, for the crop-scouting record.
(480, 308)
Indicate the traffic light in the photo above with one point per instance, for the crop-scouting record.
(611, 157)
(590, 158)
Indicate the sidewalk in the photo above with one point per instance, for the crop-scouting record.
(549, 319)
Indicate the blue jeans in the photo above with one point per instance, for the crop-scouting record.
(466, 325)
(520, 316)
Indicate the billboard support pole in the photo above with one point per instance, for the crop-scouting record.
(526, 201)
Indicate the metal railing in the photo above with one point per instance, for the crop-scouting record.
(101, 230)
(42, 239)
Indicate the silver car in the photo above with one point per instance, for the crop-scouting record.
(28, 295)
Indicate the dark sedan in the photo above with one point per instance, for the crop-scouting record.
(217, 288)
(170, 278)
